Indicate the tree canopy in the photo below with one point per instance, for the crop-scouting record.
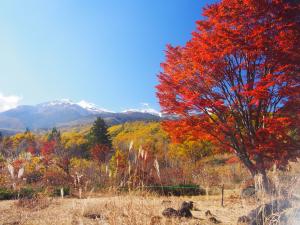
(237, 81)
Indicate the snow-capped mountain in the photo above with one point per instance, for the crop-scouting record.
(148, 110)
(67, 103)
(92, 107)
(65, 112)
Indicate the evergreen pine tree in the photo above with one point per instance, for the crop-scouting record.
(99, 134)
(54, 135)
(27, 130)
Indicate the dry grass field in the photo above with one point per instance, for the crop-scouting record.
(130, 209)
(140, 208)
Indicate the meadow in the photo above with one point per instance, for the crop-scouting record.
(135, 209)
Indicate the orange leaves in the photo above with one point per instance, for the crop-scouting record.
(48, 148)
(232, 160)
(274, 139)
(236, 79)
(181, 130)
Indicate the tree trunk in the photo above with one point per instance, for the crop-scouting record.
(265, 181)
(256, 171)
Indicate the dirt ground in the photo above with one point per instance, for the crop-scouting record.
(123, 209)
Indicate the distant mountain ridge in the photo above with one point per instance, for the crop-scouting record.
(61, 113)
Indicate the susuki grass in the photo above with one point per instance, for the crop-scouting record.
(279, 205)
(129, 209)
(136, 208)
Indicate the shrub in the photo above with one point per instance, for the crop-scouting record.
(28, 192)
(55, 176)
(6, 194)
(179, 190)
(218, 161)
(56, 191)
(34, 177)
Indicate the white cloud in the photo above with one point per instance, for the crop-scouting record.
(9, 101)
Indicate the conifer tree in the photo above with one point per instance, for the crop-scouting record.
(99, 133)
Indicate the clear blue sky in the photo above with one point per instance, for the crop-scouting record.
(104, 51)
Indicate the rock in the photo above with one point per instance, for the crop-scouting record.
(248, 192)
(211, 217)
(259, 215)
(214, 220)
(243, 220)
(170, 212)
(208, 213)
(188, 205)
(290, 217)
(183, 211)
(93, 216)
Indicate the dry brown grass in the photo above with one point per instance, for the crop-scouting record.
(129, 209)
(34, 204)
(138, 208)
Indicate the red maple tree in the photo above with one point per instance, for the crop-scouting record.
(48, 149)
(99, 152)
(237, 81)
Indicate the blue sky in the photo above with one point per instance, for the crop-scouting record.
(104, 51)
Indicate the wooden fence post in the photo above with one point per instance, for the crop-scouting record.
(222, 202)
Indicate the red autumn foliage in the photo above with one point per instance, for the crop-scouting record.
(17, 164)
(237, 81)
(232, 160)
(31, 149)
(99, 152)
(48, 148)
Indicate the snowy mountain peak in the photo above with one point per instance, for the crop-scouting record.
(149, 111)
(145, 109)
(87, 105)
(63, 101)
(91, 107)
